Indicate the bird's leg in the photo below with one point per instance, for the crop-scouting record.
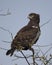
(25, 57)
(33, 55)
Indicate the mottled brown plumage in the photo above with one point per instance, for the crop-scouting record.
(27, 36)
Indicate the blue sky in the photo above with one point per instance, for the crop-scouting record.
(19, 11)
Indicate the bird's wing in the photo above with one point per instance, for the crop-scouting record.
(26, 37)
(26, 33)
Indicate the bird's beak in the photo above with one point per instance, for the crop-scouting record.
(29, 17)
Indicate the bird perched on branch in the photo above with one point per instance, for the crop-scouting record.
(27, 36)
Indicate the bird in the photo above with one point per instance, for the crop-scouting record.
(27, 36)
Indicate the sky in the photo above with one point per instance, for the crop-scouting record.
(19, 10)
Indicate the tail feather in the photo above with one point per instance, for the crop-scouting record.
(11, 51)
(8, 52)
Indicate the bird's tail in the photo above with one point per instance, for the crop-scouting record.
(10, 51)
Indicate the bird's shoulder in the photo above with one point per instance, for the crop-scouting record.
(26, 31)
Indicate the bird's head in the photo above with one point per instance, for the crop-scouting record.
(34, 17)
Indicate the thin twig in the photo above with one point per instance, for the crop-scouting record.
(5, 14)
(22, 57)
(48, 61)
(6, 41)
(40, 49)
(43, 55)
(48, 50)
(25, 57)
(3, 48)
(45, 23)
(43, 45)
(7, 31)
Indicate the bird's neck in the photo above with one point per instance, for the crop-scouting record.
(33, 23)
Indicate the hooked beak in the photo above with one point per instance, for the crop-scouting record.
(30, 17)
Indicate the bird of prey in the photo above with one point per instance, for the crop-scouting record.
(26, 36)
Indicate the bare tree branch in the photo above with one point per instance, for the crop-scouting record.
(5, 14)
(25, 57)
(7, 31)
(45, 23)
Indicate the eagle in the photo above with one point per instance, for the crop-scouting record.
(27, 36)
